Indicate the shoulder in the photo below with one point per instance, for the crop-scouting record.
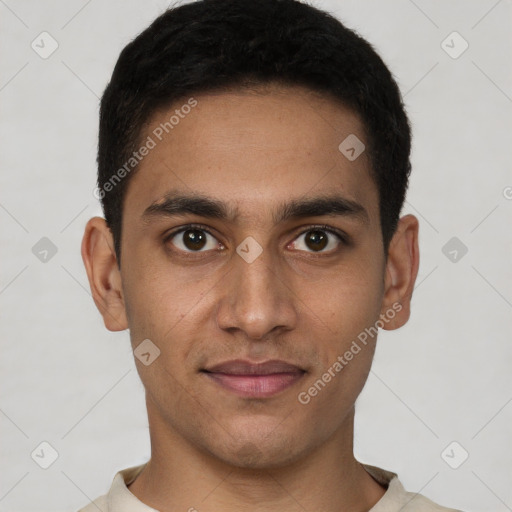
(98, 505)
(118, 497)
(397, 499)
(413, 502)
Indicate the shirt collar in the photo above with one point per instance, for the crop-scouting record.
(120, 498)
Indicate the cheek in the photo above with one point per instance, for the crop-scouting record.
(348, 303)
(351, 306)
(346, 355)
(169, 309)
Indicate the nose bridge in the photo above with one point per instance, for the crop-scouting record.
(256, 300)
(257, 279)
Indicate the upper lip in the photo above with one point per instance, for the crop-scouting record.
(241, 367)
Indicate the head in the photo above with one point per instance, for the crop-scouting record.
(259, 122)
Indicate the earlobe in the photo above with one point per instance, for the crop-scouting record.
(401, 272)
(104, 276)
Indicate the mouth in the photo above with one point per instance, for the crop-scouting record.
(254, 380)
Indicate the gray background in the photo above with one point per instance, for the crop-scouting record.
(444, 377)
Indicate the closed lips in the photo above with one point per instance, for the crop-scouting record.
(240, 367)
(251, 380)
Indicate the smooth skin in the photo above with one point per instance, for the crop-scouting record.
(298, 301)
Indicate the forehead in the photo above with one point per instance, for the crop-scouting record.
(252, 149)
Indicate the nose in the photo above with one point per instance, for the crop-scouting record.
(256, 298)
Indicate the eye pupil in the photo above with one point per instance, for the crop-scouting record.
(194, 239)
(317, 238)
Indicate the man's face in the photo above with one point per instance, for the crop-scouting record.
(303, 300)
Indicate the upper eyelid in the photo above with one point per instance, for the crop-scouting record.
(173, 233)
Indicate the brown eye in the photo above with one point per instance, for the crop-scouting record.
(316, 240)
(193, 239)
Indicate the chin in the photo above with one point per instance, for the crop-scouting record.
(261, 441)
(260, 451)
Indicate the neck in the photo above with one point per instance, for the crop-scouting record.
(180, 477)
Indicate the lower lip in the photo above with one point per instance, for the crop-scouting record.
(256, 386)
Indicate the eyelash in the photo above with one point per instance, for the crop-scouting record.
(343, 237)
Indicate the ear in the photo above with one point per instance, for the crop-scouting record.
(104, 276)
(401, 271)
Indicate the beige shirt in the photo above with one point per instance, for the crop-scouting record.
(396, 498)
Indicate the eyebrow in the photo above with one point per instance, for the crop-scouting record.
(176, 204)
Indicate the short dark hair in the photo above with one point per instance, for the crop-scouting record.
(216, 45)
